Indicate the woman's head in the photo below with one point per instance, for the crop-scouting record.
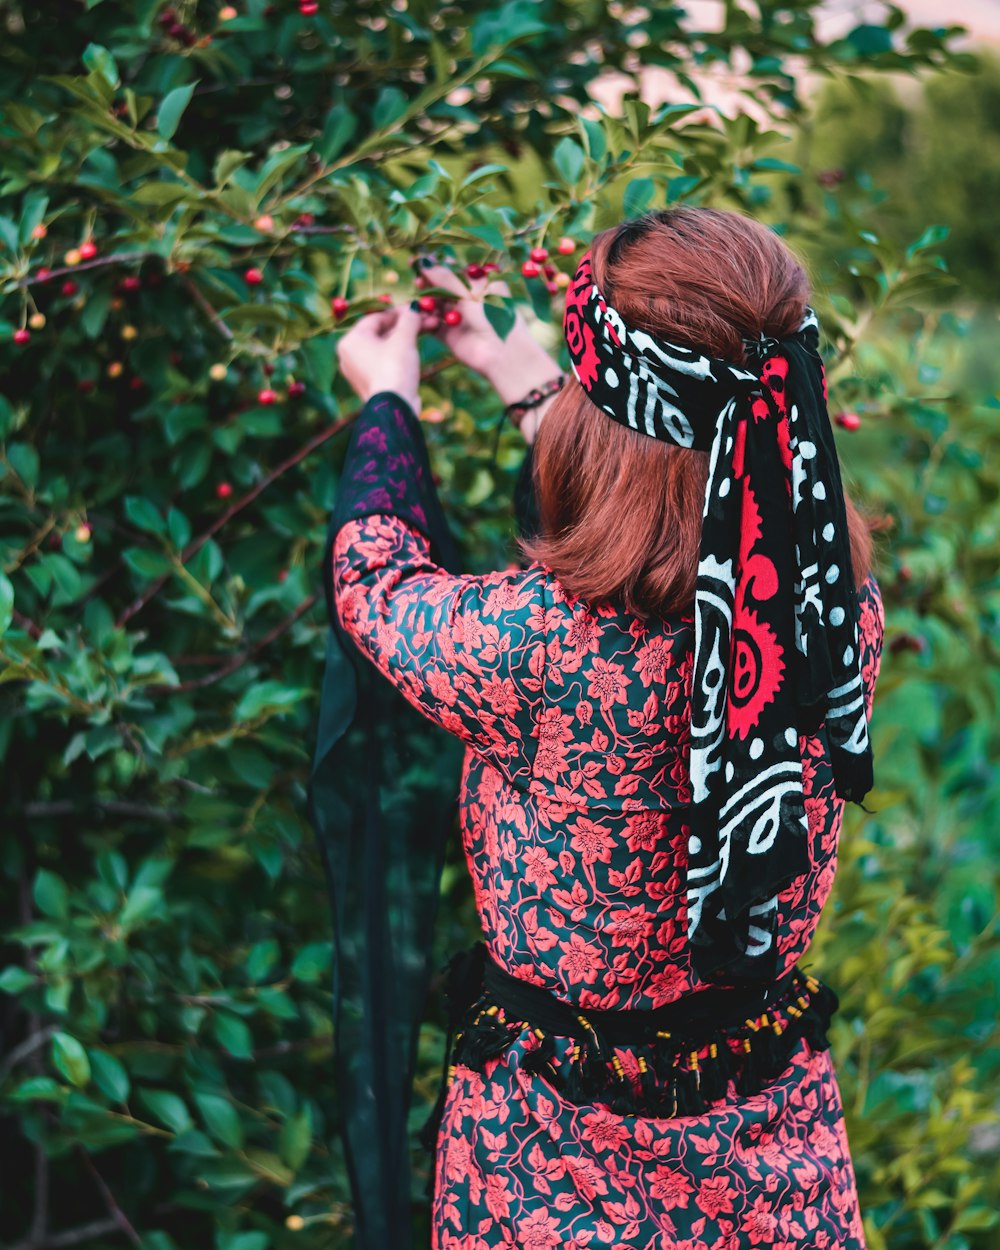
(620, 511)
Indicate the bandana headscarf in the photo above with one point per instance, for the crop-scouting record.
(776, 649)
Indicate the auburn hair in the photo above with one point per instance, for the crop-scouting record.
(621, 512)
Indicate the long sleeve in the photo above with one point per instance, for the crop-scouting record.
(871, 628)
(465, 651)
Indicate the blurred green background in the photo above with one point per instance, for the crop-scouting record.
(183, 190)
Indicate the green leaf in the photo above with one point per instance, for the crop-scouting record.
(109, 1075)
(389, 107)
(6, 603)
(51, 895)
(221, 1119)
(338, 130)
(146, 563)
(269, 696)
(167, 1108)
(100, 61)
(144, 514)
(14, 979)
(70, 1059)
(868, 40)
(23, 459)
(506, 25)
(233, 1034)
(638, 195)
(172, 108)
(140, 905)
(296, 1139)
(569, 159)
(502, 317)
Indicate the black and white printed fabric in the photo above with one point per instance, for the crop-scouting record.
(776, 612)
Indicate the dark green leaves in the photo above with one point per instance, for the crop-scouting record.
(171, 110)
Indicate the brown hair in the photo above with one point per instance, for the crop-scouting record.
(620, 511)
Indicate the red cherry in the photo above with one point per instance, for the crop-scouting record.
(253, 277)
(136, 384)
(85, 386)
(385, 298)
(267, 396)
(131, 283)
(269, 370)
(43, 274)
(539, 254)
(427, 304)
(475, 271)
(69, 288)
(551, 287)
(303, 219)
(567, 246)
(296, 389)
(530, 270)
(223, 490)
(21, 337)
(167, 17)
(87, 250)
(339, 306)
(308, 7)
(282, 575)
(848, 420)
(453, 317)
(491, 267)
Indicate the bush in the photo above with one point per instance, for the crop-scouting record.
(198, 184)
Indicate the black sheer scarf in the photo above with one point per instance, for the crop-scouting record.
(382, 799)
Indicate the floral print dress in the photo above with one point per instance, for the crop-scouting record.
(572, 809)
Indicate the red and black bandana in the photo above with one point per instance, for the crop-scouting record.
(776, 649)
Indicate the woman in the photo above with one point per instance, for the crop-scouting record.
(664, 713)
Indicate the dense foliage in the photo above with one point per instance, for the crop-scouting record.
(185, 191)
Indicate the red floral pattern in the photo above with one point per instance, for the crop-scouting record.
(572, 811)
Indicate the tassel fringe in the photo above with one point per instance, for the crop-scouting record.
(676, 1077)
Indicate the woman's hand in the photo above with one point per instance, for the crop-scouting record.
(380, 353)
(514, 365)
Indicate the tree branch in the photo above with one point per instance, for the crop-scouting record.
(116, 258)
(28, 1047)
(241, 657)
(197, 543)
(69, 1237)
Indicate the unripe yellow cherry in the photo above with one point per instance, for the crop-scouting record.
(73, 256)
(129, 332)
(218, 373)
(37, 321)
(115, 369)
(82, 532)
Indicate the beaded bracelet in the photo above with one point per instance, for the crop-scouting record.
(517, 412)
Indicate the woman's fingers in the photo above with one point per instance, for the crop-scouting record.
(446, 279)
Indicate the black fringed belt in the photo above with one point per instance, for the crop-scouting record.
(687, 1052)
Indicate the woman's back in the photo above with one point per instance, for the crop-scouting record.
(576, 788)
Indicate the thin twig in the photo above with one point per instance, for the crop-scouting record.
(26, 1048)
(113, 807)
(241, 657)
(116, 258)
(199, 297)
(69, 1237)
(114, 1210)
(197, 543)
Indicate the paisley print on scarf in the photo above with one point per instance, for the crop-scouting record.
(776, 645)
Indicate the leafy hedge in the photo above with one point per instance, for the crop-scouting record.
(185, 191)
